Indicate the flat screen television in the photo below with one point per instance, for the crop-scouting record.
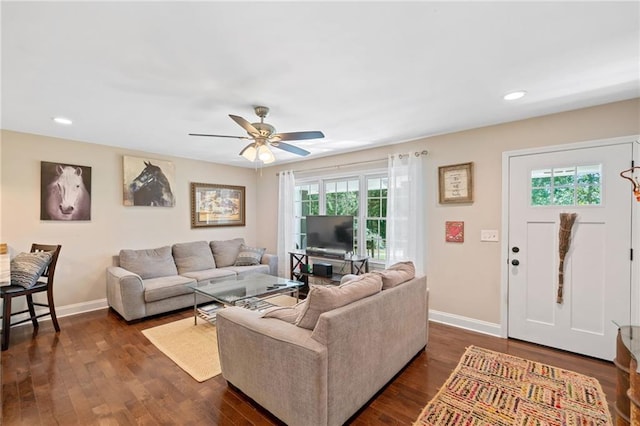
(330, 234)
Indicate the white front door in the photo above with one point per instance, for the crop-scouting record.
(597, 267)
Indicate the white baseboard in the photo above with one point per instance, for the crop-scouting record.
(79, 308)
(453, 320)
(65, 311)
(470, 324)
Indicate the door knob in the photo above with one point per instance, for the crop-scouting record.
(515, 249)
(515, 262)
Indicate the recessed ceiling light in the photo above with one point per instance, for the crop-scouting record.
(62, 120)
(514, 95)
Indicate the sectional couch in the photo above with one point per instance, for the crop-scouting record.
(153, 281)
(319, 362)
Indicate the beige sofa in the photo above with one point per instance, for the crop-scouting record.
(154, 281)
(322, 376)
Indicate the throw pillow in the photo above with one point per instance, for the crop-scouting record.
(289, 314)
(397, 273)
(151, 263)
(26, 268)
(226, 252)
(249, 256)
(322, 299)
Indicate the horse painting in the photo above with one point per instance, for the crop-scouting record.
(151, 188)
(65, 197)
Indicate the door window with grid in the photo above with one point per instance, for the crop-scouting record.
(567, 186)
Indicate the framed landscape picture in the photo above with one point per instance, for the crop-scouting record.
(217, 205)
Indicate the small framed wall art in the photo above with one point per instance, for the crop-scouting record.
(454, 232)
(217, 205)
(456, 183)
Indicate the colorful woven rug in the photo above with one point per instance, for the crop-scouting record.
(492, 388)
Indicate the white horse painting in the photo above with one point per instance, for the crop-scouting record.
(65, 196)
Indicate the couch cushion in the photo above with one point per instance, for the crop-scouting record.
(150, 263)
(325, 298)
(289, 314)
(243, 271)
(26, 268)
(249, 256)
(397, 273)
(210, 275)
(194, 256)
(226, 252)
(164, 287)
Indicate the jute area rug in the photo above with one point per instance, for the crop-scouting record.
(194, 348)
(492, 388)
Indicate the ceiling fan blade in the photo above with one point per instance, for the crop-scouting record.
(297, 136)
(245, 125)
(219, 136)
(290, 148)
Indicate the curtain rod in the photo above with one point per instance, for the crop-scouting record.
(357, 163)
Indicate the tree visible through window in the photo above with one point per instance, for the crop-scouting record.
(342, 197)
(377, 217)
(306, 203)
(567, 186)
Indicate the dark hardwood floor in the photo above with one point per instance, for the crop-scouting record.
(102, 371)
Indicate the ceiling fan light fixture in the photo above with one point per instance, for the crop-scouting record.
(250, 153)
(265, 155)
(264, 137)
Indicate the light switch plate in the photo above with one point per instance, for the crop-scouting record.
(489, 235)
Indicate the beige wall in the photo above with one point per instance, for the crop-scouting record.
(88, 247)
(464, 279)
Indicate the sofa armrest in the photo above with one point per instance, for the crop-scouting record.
(275, 363)
(272, 261)
(125, 293)
(380, 333)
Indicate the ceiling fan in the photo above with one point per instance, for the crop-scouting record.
(264, 135)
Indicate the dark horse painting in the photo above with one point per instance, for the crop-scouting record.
(151, 188)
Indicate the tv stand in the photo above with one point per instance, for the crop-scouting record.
(326, 254)
(299, 264)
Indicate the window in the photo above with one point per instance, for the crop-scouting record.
(343, 196)
(567, 186)
(376, 217)
(306, 202)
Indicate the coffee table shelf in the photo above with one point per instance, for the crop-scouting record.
(249, 291)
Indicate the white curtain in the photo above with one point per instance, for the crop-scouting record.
(406, 217)
(286, 243)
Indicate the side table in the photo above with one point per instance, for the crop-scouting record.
(627, 406)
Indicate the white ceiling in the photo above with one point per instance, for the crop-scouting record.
(142, 75)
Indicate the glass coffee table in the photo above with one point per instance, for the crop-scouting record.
(249, 291)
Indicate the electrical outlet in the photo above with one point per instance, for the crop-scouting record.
(489, 235)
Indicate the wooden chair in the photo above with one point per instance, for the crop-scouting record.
(45, 283)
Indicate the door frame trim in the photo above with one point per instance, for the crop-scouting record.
(504, 249)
